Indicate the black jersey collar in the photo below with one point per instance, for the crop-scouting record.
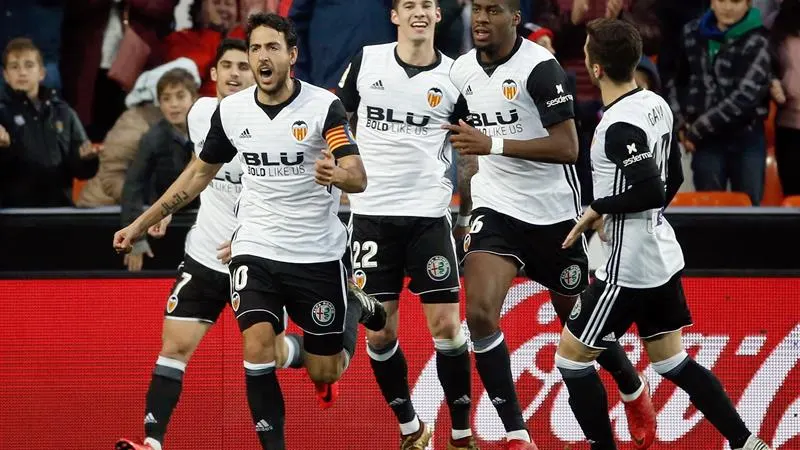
(274, 110)
(625, 95)
(490, 67)
(411, 69)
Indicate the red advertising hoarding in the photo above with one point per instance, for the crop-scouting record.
(76, 358)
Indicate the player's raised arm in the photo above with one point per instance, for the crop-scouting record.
(348, 88)
(547, 85)
(466, 167)
(341, 164)
(626, 146)
(197, 175)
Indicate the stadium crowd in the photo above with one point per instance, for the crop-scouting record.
(95, 93)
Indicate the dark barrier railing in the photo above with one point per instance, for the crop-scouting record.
(714, 240)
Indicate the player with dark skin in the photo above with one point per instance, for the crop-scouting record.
(489, 276)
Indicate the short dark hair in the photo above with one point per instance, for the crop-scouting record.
(176, 77)
(19, 45)
(274, 21)
(229, 44)
(396, 3)
(616, 46)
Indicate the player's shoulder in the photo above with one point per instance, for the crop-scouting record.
(236, 100)
(378, 49)
(203, 107)
(317, 94)
(464, 61)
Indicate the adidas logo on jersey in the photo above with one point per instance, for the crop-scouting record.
(468, 91)
(150, 418)
(245, 134)
(377, 85)
(263, 426)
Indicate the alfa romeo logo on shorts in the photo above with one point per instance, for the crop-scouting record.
(235, 301)
(172, 303)
(571, 276)
(360, 278)
(323, 313)
(576, 310)
(438, 268)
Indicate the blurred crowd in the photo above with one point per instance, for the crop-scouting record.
(95, 93)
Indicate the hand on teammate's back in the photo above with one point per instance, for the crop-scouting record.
(224, 252)
(324, 169)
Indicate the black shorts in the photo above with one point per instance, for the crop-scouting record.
(385, 248)
(199, 293)
(537, 249)
(606, 311)
(314, 295)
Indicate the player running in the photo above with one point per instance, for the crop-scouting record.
(633, 155)
(402, 95)
(526, 199)
(296, 153)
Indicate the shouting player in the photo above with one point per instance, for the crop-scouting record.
(633, 155)
(402, 95)
(202, 288)
(289, 247)
(526, 198)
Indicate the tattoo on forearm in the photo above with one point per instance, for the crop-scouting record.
(467, 167)
(178, 200)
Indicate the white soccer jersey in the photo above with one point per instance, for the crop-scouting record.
(401, 110)
(215, 220)
(632, 142)
(518, 98)
(282, 213)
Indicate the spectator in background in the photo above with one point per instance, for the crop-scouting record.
(39, 20)
(673, 16)
(92, 33)
(331, 32)
(786, 41)
(122, 141)
(164, 152)
(43, 145)
(725, 76)
(211, 21)
(449, 37)
(646, 75)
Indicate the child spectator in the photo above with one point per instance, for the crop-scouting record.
(164, 152)
(786, 40)
(43, 145)
(724, 80)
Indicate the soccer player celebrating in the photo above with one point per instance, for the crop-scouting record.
(402, 95)
(289, 248)
(526, 198)
(202, 288)
(633, 156)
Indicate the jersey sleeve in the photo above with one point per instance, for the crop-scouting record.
(348, 85)
(336, 131)
(548, 86)
(626, 146)
(218, 148)
(461, 110)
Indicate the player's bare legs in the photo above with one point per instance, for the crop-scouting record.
(488, 278)
(391, 371)
(263, 391)
(632, 386)
(671, 361)
(588, 397)
(179, 340)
